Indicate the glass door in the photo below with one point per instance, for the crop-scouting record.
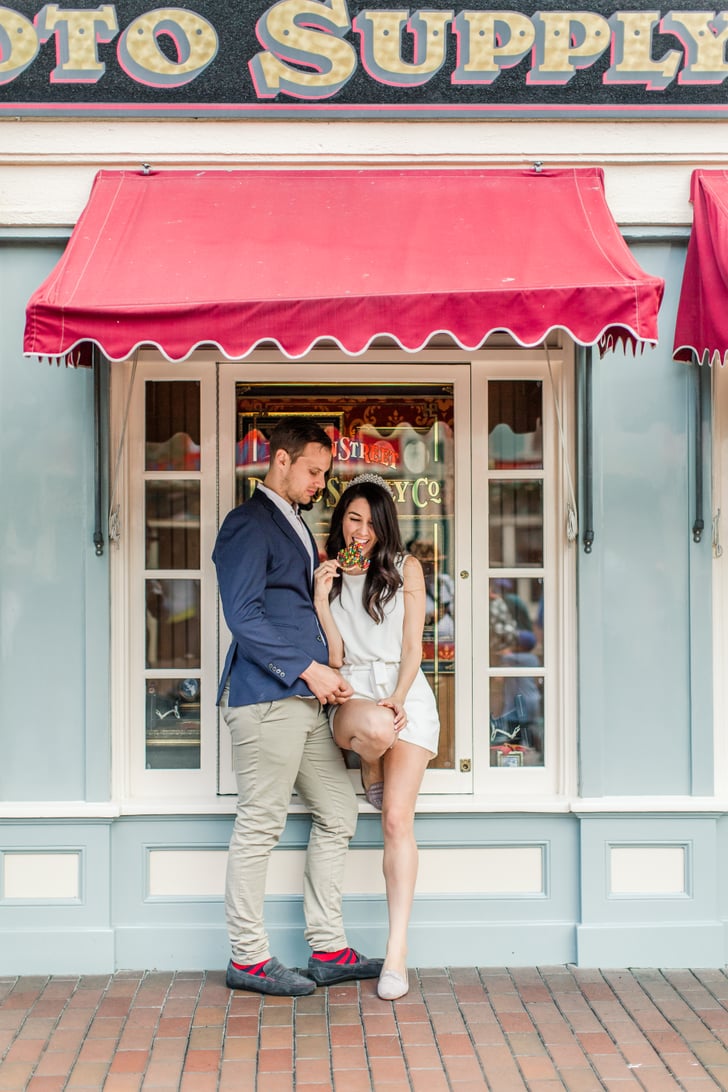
(403, 427)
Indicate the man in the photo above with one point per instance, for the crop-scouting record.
(274, 686)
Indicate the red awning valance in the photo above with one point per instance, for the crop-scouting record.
(701, 330)
(235, 259)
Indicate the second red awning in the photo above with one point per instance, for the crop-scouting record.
(701, 330)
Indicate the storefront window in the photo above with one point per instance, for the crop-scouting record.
(172, 585)
(405, 434)
(172, 524)
(516, 564)
(172, 426)
(516, 523)
(471, 451)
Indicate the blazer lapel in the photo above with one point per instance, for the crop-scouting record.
(314, 554)
(289, 531)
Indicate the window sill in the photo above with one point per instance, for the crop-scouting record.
(427, 805)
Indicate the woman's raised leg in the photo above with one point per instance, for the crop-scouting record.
(362, 726)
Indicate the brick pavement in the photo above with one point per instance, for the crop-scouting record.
(458, 1030)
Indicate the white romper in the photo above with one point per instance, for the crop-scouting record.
(372, 653)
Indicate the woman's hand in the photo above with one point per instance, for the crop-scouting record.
(400, 717)
(323, 578)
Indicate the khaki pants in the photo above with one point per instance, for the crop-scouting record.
(276, 746)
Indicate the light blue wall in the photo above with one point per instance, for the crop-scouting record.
(577, 916)
(644, 719)
(685, 927)
(54, 615)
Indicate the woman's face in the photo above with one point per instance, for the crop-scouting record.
(357, 526)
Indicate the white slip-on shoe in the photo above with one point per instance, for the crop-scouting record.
(391, 986)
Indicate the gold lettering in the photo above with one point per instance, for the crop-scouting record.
(632, 52)
(381, 50)
(565, 42)
(490, 41)
(333, 492)
(401, 487)
(194, 39)
(251, 483)
(704, 37)
(311, 33)
(434, 490)
(78, 35)
(18, 44)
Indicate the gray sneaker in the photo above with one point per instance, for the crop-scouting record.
(277, 980)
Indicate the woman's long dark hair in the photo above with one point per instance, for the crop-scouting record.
(383, 579)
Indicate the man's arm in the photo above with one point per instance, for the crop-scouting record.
(241, 560)
(326, 684)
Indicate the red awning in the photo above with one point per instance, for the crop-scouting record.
(701, 330)
(235, 259)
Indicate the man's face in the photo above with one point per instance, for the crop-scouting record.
(302, 480)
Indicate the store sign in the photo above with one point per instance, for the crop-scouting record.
(416, 493)
(307, 58)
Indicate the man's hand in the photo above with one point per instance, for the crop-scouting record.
(326, 684)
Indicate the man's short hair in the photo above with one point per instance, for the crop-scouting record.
(291, 434)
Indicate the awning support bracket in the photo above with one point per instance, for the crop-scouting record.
(114, 517)
(588, 494)
(98, 538)
(715, 481)
(699, 523)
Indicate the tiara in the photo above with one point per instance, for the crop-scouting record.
(371, 479)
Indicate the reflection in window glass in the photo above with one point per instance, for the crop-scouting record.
(172, 425)
(516, 620)
(516, 523)
(516, 550)
(172, 543)
(172, 729)
(173, 623)
(516, 717)
(514, 424)
(172, 524)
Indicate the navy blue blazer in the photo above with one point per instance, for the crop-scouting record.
(264, 574)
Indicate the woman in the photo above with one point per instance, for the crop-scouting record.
(370, 599)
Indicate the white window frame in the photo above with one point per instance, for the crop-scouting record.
(131, 780)
(472, 784)
(557, 777)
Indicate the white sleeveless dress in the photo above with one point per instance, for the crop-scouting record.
(372, 652)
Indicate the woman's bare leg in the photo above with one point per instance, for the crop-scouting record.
(362, 726)
(404, 768)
